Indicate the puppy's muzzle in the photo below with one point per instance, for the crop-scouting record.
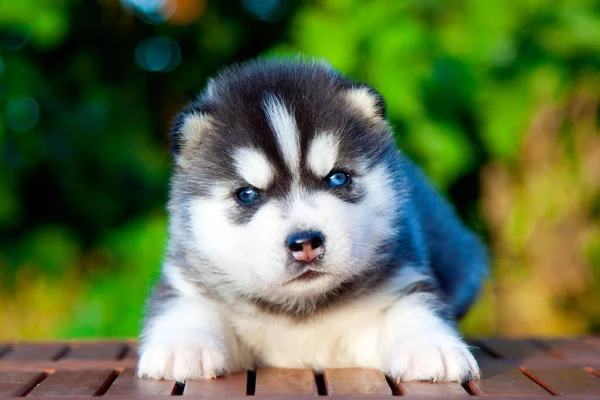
(306, 246)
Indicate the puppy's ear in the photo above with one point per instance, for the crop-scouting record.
(367, 100)
(188, 130)
(192, 124)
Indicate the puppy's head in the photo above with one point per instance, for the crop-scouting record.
(283, 185)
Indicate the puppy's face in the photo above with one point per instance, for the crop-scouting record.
(283, 186)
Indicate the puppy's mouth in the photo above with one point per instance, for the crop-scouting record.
(307, 276)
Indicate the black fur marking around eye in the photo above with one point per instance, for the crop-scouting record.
(243, 214)
(352, 193)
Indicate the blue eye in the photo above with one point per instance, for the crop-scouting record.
(247, 196)
(338, 179)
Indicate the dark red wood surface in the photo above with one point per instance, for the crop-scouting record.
(347, 382)
(512, 369)
(278, 381)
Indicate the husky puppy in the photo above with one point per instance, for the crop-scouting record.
(301, 237)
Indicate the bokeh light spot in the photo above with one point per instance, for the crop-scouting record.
(266, 10)
(21, 113)
(151, 11)
(159, 54)
(184, 12)
(145, 6)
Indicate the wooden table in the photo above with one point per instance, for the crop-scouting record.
(512, 369)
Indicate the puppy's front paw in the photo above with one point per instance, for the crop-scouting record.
(433, 358)
(190, 356)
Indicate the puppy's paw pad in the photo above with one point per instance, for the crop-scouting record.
(433, 360)
(205, 359)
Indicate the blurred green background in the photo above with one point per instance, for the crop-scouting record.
(497, 99)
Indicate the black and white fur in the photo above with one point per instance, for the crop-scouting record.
(397, 270)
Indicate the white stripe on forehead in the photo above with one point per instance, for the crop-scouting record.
(253, 167)
(322, 154)
(283, 124)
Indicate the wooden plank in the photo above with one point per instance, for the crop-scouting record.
(446, 389)
(519, 349)
(15, 384)
(36, 352)
(478, 351)
(128, 384)
(594, 341)
(74, 383)
(36, 366)
(222, 387)
(4, 349)
(132, 352)
(95, 351)
(506, 381)
(577, 348)
(567, 381)
(278, 381)
(307, 397)
(354, 381)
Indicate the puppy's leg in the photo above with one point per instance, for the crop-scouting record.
(419, 344)
(184, 337)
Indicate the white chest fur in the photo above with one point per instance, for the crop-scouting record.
(348, 336)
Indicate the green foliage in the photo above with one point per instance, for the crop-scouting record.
(112, 302)
(46, 23)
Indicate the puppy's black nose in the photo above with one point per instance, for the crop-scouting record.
(306, 246)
